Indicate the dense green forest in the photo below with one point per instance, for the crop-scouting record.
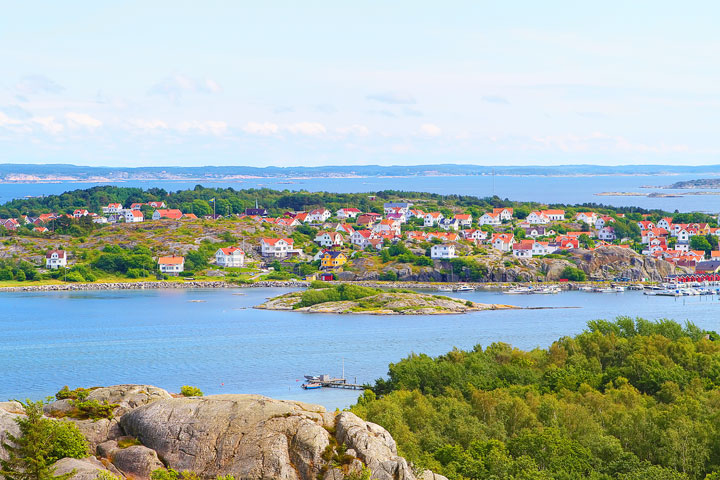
(629, 399)
(229, 200)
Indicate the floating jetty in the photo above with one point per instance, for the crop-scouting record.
(330, 382)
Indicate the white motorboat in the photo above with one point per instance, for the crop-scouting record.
(465, 288)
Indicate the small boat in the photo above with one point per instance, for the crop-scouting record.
(546, 291)
(311, 386)
(585, 288)
(604, 290)
(445, 288)
(636, 287)
(619, 288)
(465, 288)
(519, 291)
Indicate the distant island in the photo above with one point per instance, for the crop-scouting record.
(345, 298)
(59, 173)
(698, 183)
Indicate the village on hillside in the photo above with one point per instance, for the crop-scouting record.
(322, 243)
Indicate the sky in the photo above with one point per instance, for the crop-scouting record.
(138, 83)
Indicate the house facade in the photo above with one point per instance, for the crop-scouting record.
(276, 247)
(442, 251)
(171, 265)
(230, 257)
(55, 259)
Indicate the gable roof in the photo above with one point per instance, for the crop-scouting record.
(172, 260)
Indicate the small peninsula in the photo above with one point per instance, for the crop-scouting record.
(353, 299)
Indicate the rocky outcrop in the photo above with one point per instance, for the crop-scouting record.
(85, 468)
(248, 436)
(374, 446)
(8, 425)
(385, 303)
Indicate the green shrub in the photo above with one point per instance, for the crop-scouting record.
(128, 442)
(74, 277)
(93, 409)
(573, 274)
(190, 391)
(77, 394)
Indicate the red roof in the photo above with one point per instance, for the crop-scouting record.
(273, 241)
(61, 253)
(231, 250)
(171, 260)
(171, 213)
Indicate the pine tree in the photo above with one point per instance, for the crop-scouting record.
(30, 455)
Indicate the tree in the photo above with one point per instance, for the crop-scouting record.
(41, 443)
(699, 242)
(573, 274)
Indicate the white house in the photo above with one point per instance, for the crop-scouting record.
(537, 218)
(362, 238)
(55, 259)
(606, 233)
(171, 265)
(603, 221)
(433, 218)
(344, 213)
(276, 247)
(502, 241)
(534, 232)
(391, 207)
(442, 251)
(329, 239)
(474, 234)
(464, 219)
(133, 216)
(586, 217)
(112, 208)
(80, 213)
(489, 219)
(230, 257)
(554, 215)
(387, 227)
(449, 224)
(319, 215)
(506, 214)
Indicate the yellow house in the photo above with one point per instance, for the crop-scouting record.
(333, 259)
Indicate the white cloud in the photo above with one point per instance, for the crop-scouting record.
(212, 127)
(430, 130)
(48, 124)
(357, 130)
(257, 128)
(307, 128)
(82, 120)
(149, 125)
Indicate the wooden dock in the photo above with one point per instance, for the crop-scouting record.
(329, 382)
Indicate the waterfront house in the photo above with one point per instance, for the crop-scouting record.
(171, 265)
(329, 239)
(55, 259)
(333, 259)
(276, 247)
(230, 257)
(442, 251)
(432, 218)
(112, 208)
(489, 219)
(502, 241)
(345, 213)
(172, 214)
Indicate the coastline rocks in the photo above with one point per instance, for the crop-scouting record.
(374, 446)
(249, 436)
(136, 461)
(97, 431)
(85, 469)
(128, 397)
(8, 425)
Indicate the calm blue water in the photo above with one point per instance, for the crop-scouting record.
(569, 190)
(161, 337)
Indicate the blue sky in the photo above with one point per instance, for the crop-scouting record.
(371, 82)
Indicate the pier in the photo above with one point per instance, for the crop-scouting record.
(330, 382)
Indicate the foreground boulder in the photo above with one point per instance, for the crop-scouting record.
(85, 469)
(248, 436)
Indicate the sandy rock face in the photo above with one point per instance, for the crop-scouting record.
(8, 425)
(128, 397)
(85, 469)
(249, 436)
